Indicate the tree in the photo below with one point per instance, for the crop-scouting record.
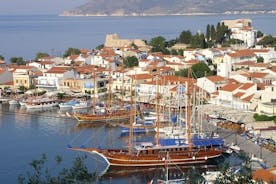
(17, 60)
(198, 41)
(259, 34)
(268, 41)
(78, 173)
(182, 73)
(134, 45)
(2, 58)
(70, 51)
(185, 37)
(170, 43)
(208, 32)
(200, 70)
(99, 47)
(213, 32)
(260, 59)
(131, 61)
(158, 42)
(159, 45)
(174, 52)
(41, 55)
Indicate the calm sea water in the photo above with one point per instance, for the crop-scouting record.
(26, 135)
(24, 36)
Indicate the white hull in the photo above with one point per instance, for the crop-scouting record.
(13, 102)
(41, 106)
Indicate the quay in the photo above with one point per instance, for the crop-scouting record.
(230, 137)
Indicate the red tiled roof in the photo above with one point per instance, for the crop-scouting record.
(246, 86)
(260, 65)
(248, 98)
(242, 53)
(192, 61)
(46, 62)
(245, 63)
(8, 83)
(215, 78)
(230, 87)
(258, 75)
(273, 68)
(174, 63)
(238, 95)
(260, 50)
(58, 70)
(141, 76)
(266, 175)
(260, 86)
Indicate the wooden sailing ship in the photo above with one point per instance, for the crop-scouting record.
(192, 150)
(107, 113)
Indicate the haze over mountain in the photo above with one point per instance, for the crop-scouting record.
(171, 7)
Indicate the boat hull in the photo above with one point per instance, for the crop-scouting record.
(102, 117)
(121, 158)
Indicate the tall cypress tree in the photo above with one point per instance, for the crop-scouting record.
(208, 32)
(213, 32)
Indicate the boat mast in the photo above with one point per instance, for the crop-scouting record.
(157, 110)
(189, 110)
(130, 120)
(109, 88)
(94, 95)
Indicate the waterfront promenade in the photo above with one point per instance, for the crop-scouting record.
(231, 137)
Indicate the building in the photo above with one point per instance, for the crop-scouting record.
(211, 84)
(25, 76)
(242, 29)
(51, 79)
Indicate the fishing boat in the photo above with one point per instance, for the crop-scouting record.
(140, 126)
(13, 102)
(191, 150)
(41, 103)
(84, 104)
(69, 104)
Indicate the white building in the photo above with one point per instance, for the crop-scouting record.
(50, 79)
(211, 84)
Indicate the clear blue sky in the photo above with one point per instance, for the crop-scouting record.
(17, 7)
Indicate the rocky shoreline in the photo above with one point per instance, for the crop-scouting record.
(72, 14)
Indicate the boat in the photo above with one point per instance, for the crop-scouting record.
(13, 102)
(191, 150)
(69, 104)
(84, 104)
(140, 126)
(103, 116)
(167, 180)
(41, 103)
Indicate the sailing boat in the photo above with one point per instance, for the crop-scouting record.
(107, 113)
(192, 150)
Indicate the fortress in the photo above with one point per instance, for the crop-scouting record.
(113, 40)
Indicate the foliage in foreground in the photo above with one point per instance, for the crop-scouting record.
(242, 175)
(41, 174)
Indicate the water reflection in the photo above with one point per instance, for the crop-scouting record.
(154, 173)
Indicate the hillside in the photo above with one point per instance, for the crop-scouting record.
(171, 7)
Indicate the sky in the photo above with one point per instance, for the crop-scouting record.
(20, 7)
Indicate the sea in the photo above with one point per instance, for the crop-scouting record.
(26, 35)
(26, 135)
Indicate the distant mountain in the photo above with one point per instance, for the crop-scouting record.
(172, 7)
